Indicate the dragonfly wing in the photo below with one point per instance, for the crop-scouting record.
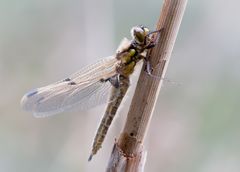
(124, 45)
(82, 90)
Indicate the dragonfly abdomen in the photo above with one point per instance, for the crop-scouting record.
(116, 97)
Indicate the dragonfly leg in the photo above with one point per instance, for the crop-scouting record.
(148, 67)
(155, 40)
(114, 80)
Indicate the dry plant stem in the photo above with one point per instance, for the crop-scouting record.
(129, 146)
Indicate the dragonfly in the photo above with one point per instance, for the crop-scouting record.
(105, 81)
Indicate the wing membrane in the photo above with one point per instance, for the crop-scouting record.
(82, 90)
(125, 44)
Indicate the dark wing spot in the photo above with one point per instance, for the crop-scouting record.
(67, 79)
(103, 80)
(31, 93)
(72, 83)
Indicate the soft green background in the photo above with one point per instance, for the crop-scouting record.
(195, 127)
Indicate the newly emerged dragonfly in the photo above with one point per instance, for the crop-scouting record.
(92, 85)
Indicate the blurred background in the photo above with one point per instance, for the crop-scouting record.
(195, 126)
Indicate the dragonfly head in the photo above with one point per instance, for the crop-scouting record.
(139, 33)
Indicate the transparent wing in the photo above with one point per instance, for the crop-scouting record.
(125, 44)
(81, 90)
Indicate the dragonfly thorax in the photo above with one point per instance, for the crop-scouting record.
(133, 53)
(128, 60)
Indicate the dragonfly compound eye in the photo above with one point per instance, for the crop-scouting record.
(138, 34)
(146, 31)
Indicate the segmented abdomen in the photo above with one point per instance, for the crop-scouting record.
(116, 97)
